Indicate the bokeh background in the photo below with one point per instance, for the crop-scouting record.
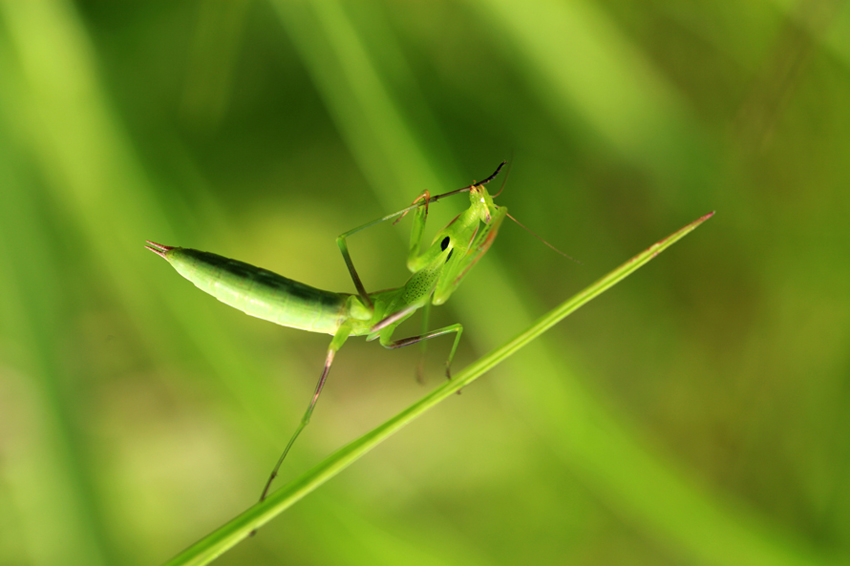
(696, 414)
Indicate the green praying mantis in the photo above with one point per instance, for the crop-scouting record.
(436, 272)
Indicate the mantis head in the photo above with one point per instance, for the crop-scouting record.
(481, 203)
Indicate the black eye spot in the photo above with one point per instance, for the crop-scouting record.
(448, 257)
(445, 243)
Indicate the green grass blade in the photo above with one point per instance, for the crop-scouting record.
(228, 535)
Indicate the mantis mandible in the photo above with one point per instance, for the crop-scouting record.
(436, 273)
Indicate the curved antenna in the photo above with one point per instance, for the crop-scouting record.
(426, 200)
(541, 239)
(505, 180)
(491, 177)
(508, 214)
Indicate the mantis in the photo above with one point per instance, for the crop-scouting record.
(436, 272)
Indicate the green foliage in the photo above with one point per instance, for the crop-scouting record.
(696, 415)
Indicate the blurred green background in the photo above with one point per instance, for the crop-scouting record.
(696, 414)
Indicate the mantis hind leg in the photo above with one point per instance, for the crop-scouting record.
(337, 342)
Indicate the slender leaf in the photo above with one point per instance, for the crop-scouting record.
(229, 534)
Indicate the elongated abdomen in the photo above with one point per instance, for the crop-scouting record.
(257, 291)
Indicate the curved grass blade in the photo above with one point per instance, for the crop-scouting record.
(229, 534)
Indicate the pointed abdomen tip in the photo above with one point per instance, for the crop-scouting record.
(158, 249)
